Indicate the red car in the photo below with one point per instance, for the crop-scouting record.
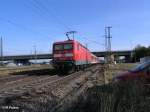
(138, 72)
(71, 54)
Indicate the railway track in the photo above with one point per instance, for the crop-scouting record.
(34, 85)
(50, 89)
(24, 84)
(24, 68)
(19, 87)
(75, 92)
(6, 72)
(10, 78)
(26, 74)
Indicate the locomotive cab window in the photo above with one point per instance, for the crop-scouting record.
(58, 47)
(68, 46)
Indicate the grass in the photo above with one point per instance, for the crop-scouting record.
(131, 96)
(114, 70)
(6, 71)
(119, 97)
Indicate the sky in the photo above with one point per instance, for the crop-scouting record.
(25, 24)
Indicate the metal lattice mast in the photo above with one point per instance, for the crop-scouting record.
(1, 48)
(108, 43)
(35, 54)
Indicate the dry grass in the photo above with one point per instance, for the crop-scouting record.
(114, 70)
(120, 97)
(6, 71)
(131, 96)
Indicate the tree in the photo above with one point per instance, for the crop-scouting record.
(140, 52)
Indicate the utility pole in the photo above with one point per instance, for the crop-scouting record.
(106, 39)
(31, 56)
(108, 44)
(35, 54)
(109, 39)
(1, 50)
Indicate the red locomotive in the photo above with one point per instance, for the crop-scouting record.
(71, 55)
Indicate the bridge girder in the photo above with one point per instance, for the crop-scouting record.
(49, 56)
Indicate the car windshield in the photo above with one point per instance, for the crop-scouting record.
(140, 67)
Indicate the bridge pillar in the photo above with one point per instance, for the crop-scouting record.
(128, 59)
(116, 58)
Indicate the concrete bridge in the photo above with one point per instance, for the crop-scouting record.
(25, 58)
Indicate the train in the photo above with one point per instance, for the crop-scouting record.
(71, 55)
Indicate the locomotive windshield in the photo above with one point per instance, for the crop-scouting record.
(63, 47)
(58, 47)
(68, 46)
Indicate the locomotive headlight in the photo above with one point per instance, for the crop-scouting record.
(68, 54)
(57, 55)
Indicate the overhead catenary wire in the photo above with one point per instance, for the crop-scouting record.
(20, 26)
(13, 23)
(91, 40)
(24, 27)
(42, 8)
(45, 13)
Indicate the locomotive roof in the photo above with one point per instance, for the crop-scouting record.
(67, 41)
(70, 41)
